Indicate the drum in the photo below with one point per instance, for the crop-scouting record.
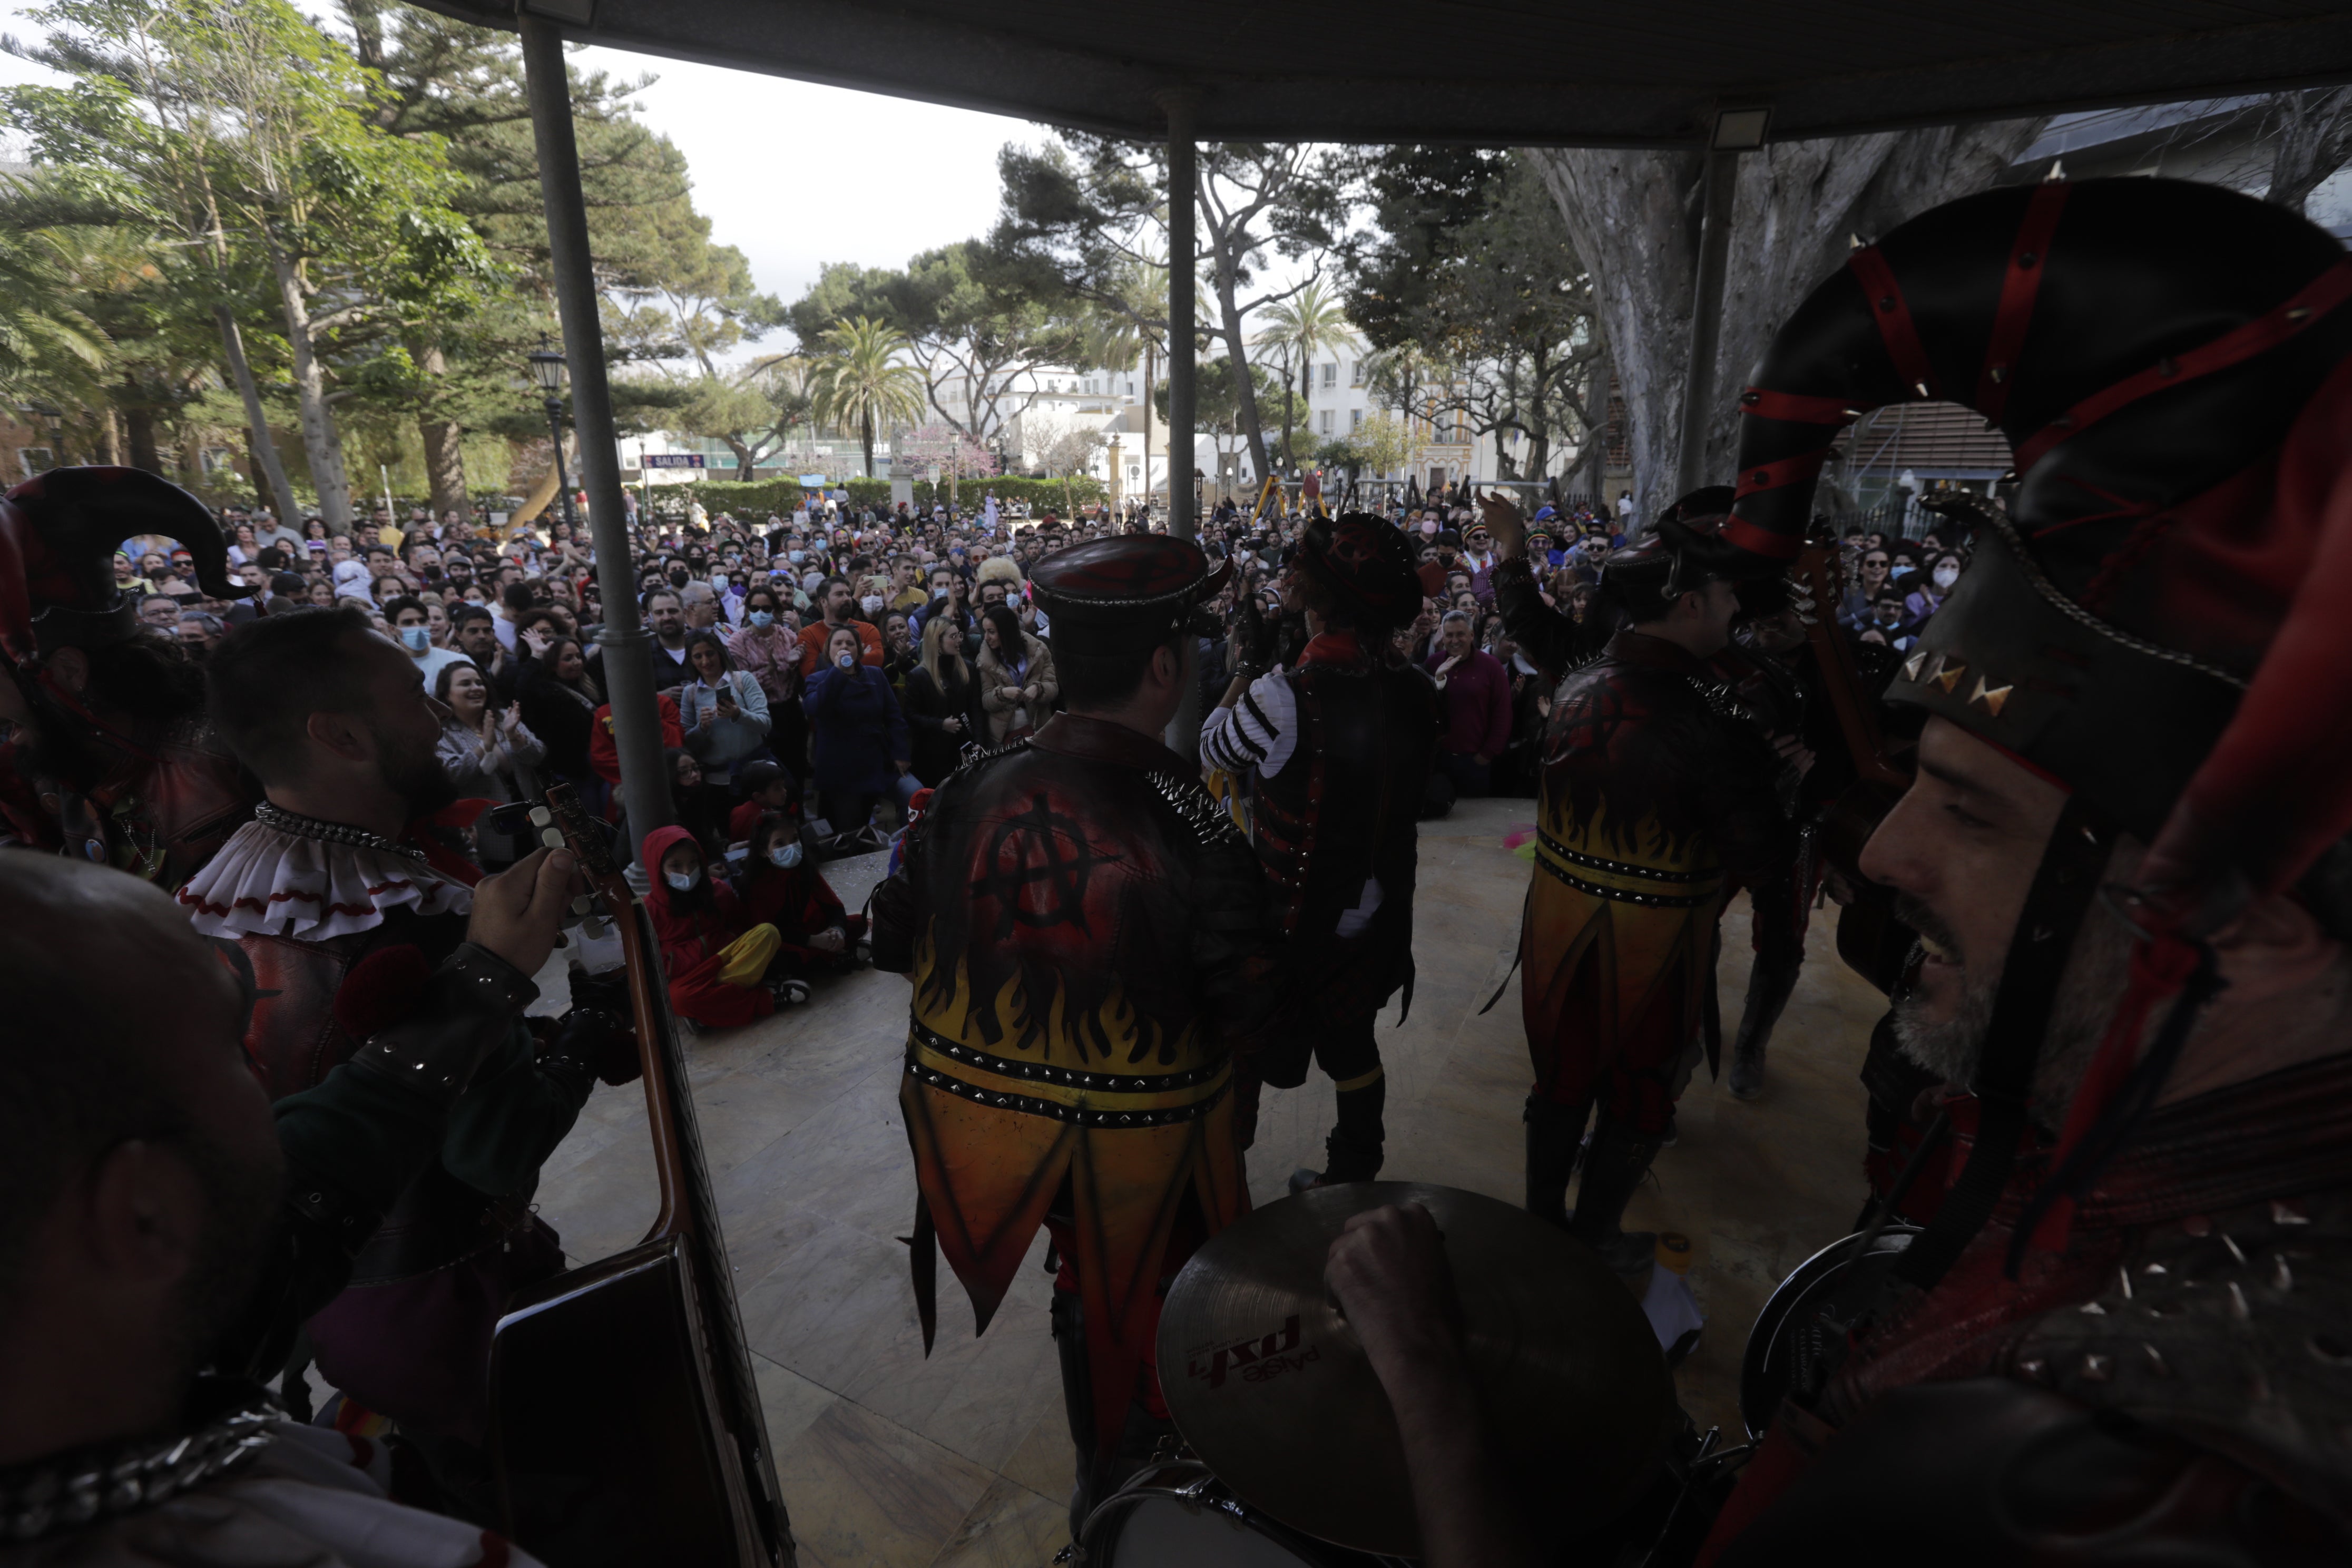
(1769, 1365)
(1176, 1514)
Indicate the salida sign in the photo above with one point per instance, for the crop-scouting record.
(1255, 1359)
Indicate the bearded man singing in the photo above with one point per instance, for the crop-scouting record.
(2122, 1336)
(335, 904)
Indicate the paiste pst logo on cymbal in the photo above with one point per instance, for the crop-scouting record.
(1256, 1359)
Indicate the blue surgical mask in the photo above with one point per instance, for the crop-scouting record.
(416, 639)
(683, 881)
(786, 854)
(800, 557)
(762, 619)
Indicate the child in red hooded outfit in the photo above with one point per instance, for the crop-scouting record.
(716, 960)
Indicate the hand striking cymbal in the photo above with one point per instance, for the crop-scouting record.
(1271, 1387)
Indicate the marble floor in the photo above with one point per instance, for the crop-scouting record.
(887, 1457)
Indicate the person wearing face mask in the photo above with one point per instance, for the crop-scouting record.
(1926, 599)
(781, 887)
(716, 960)
(412, 626)
(861, 748)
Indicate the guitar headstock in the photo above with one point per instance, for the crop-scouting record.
(1813, 576)
(563, 822)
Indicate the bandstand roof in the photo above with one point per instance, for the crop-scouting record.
(1635, 73)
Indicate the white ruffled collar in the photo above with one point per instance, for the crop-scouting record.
(268, 883)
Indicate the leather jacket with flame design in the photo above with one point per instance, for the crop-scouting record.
(1086, 934)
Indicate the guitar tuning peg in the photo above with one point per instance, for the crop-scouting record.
(583, 904)
(593, 928)
(541, 817)
(550, 836)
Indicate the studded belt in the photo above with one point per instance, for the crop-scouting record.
(1064, 1094)
(1624, 882)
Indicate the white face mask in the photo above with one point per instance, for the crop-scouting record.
(1947, 575)
(683, 881)
(785, 854)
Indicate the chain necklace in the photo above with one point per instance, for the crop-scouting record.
(118, 1479)
(299, 827)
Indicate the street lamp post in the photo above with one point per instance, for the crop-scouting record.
(55, 418)
(547, 369)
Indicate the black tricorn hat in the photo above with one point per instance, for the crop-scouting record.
(1368, 562)
(1130, 592)
(58, 533)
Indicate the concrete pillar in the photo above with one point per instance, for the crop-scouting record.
(628, 675)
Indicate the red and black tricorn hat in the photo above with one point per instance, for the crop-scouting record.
(1368, 563)
(1133, 591)
(58, 533)
(2160, 620)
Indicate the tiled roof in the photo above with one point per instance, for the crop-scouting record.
(1931, 439)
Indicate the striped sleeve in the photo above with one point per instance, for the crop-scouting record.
(1256, 735)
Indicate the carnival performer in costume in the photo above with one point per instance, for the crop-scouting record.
(1086, 932)
(1658, 784)
(2120, 1338)
(135, 1320)
(1336, 753)
(109, 758)
(2124, 854)
(335, 906)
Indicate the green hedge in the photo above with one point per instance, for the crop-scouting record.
(782, 496)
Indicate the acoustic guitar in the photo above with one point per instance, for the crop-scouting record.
(625, 1424)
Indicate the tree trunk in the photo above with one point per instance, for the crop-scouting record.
(1633, 218)
(1244, 389)
(1288, 460)
(320, 437)
(139, 427)
(110, 438)
(445, 453)
(1151, 391)
(269, 473)
(866, 438)
(1540, 435)
(2314, 130)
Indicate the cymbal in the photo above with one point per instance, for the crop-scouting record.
(1271, 1387)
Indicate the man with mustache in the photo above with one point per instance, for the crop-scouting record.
(2120, 1338)
(336, 902)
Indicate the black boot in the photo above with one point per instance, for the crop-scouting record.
(1767, 993)
(1067, 1316)
(1353, 1152)
(1614, 1168)
(1554, 1132)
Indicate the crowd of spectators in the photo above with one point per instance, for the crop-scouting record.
(814, 671)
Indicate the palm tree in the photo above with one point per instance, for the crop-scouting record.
(1306, 324)
(1122, 331)
(862, 381)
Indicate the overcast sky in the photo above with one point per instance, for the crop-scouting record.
(794, 176)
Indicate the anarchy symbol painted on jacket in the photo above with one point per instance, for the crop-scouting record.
(1045, 851)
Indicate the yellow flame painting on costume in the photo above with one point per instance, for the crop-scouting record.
(1637, 907)
(1132, 1134)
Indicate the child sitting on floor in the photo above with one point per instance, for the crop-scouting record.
(778, 884)
(718, 962)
